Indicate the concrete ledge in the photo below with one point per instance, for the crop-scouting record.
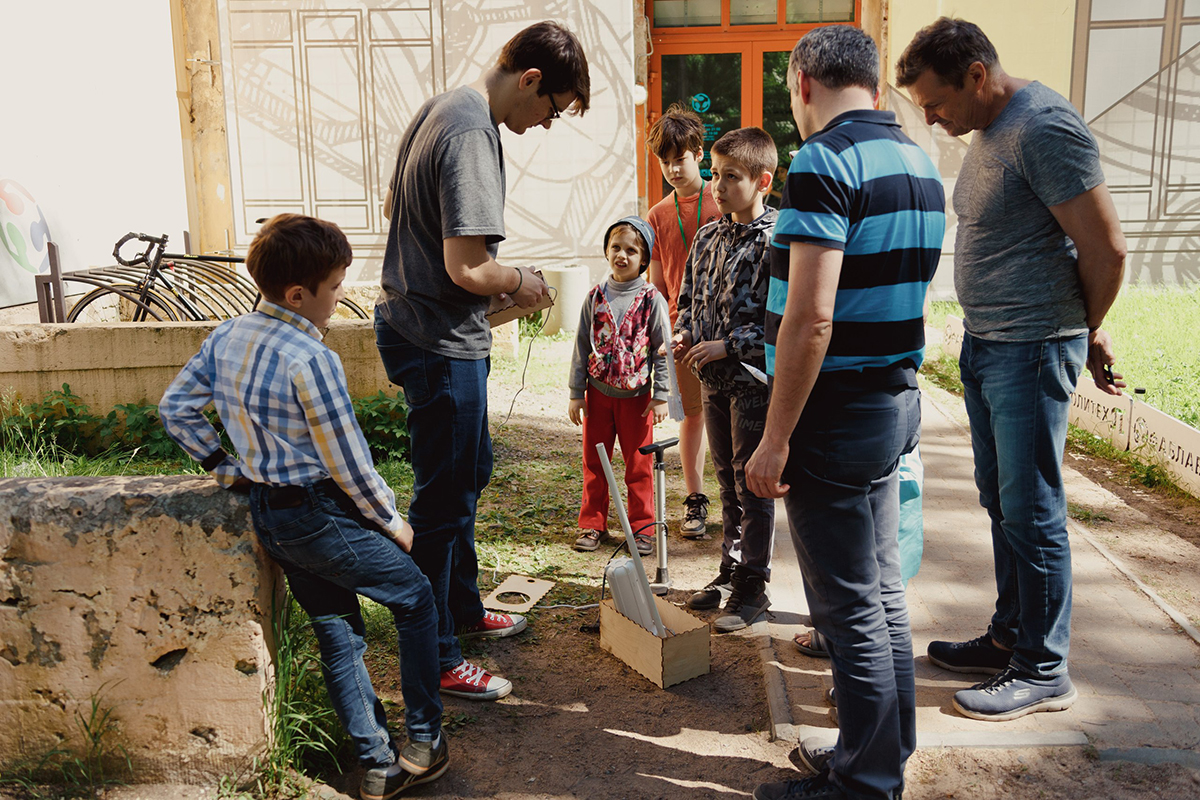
(135, 362)
(148, 593)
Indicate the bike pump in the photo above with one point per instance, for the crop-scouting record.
(662, 578)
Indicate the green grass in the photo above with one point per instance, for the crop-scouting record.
(939, 310)
(1156, 332)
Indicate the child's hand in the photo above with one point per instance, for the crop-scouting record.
(704, 352)
(403, 536)
(680, 344)
(577, 410)
(658, 408)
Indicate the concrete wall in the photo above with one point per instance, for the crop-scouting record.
(149, 594)
(135, 362)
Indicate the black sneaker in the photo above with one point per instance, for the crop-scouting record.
(980, 656)
(716, 591)
(696, 516)
(815, 788)
(747, 601)
(377, 784)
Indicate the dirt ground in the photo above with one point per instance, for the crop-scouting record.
(581, 724)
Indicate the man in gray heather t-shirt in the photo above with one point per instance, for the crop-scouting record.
(1015, 269)
(445, 204)
(1038, 260)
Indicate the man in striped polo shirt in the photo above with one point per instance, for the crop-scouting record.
(856, 244)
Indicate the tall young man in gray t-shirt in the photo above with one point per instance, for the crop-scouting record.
(445, 203)
(1038, 261)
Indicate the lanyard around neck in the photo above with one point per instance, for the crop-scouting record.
(679, 216)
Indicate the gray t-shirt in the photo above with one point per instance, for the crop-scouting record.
(448, 182)
(1015, 269)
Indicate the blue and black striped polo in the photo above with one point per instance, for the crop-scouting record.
(861, 186)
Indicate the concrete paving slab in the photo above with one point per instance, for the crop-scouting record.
(1137, 671)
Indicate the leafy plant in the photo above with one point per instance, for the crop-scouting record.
(384, 422)
(942, 370)
(94, 768)
(530, 326)
(305, 731)
(60, 416)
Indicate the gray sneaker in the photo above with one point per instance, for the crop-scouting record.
(422, 757)
(747, 602)
(1012, 693)
(816, 752)
(377, 784)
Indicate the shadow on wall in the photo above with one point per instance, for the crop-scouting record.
(316, 129)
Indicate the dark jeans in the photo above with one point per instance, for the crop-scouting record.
(843, 508)
(1018, 395)
(452, 463)
(734, 426)
(331, 555)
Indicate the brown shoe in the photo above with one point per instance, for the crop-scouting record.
(589, 539)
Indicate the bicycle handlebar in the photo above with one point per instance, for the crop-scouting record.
(144, 258)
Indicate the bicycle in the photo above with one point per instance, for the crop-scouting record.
(193, 288)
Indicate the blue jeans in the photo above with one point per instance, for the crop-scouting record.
(330, 555)
(1018, 395)
(843, 508)
(452, 463)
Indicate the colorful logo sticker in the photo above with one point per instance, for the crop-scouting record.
(23, 230)
(701, 103)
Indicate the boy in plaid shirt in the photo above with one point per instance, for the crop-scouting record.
(320, 509)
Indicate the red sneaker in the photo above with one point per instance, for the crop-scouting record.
(493, 626)
(474, 683)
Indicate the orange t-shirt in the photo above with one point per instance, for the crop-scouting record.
(669, 248)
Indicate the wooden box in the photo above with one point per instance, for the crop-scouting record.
(666, 662)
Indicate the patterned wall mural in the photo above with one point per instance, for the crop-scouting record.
(317, 99)
(23, 238)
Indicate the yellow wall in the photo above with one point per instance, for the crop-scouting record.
(1033, 37)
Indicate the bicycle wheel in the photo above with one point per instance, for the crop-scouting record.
(348, 309)
(119, 304)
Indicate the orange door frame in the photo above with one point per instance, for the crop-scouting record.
(749, 40)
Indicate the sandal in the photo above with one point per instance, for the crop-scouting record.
(813, 644)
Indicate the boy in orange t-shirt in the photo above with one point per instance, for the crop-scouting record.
(677, 140)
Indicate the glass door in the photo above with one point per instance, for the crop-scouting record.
(740, 84)
(727, 60)
(709, 84)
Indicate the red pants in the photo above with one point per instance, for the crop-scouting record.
(624, 419)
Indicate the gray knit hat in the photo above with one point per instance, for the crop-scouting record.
(642, 227)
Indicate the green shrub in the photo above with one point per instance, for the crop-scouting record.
(384, 422)
(61, 421)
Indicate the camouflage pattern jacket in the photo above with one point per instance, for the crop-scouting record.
(724, 298)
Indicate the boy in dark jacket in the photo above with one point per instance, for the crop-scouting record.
(719, 335)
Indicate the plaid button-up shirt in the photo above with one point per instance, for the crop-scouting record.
(281, 394)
